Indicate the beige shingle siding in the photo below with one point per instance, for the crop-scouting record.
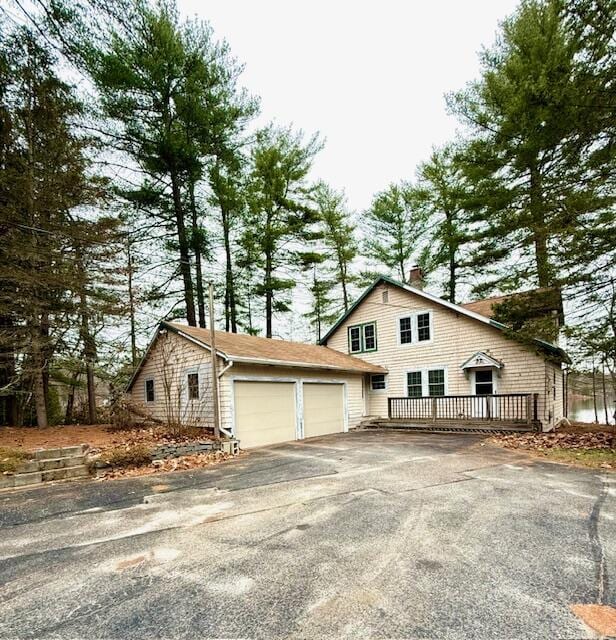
(455, 338)
(168, 363)
(355, 398)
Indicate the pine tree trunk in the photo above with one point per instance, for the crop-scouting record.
(452, 258)
(544, 271)
(197, 250)
(189, 298)
(38, 360)
(269, 297)
(607, 418)
(38, 380)
(8, 373)
(594, 393)
(343, 282)
(230, 303)
(70, 400)
(89, 344)
(131, 308)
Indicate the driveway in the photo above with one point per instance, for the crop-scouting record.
(360, 535)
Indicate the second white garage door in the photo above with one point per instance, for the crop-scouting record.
(323, 409)
(264, 413)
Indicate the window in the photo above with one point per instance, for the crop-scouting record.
(406, 332)
(193, 386)
(385, 296)
(370, 337)
(413, 384)
(423, 327)
(149, 390)
(377, 382)
(354, 339)
(484, 385)
(362, 337)
(436, 382)
(415, 328)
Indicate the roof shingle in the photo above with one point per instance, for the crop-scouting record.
(242, 347)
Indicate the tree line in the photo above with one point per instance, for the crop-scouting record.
(132, 173)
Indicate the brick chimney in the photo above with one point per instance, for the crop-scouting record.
(416, 277)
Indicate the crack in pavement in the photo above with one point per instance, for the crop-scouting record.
(596, 546)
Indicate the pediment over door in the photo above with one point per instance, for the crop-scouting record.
(481, 360)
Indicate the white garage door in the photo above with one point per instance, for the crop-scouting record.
(264, 413)
(323, 409)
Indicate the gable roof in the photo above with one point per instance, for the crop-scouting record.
(552, 349)
(238, 347)
(485, 307)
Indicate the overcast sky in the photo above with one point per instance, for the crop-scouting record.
(369, 76)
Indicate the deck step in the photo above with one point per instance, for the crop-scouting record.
(446, 428)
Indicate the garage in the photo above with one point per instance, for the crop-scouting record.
(323, 409)
(264, 412)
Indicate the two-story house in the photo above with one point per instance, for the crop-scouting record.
(399, 353)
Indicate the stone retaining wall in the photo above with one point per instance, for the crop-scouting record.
(176, 450)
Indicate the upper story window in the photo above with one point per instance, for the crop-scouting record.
(423, 327)
(414, 328)
(193, 386)
(406, 331)
(355, 339)
(362, 337)
(149, 390)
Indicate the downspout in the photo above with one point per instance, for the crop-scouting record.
(220, 374)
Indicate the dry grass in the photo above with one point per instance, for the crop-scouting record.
(593, 458)
(10, 458)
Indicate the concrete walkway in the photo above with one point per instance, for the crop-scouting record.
(362, 535)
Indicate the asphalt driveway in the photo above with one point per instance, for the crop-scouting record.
(362, 535)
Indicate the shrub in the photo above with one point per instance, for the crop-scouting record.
(136, 456)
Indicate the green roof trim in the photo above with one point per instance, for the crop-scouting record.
(543, 344)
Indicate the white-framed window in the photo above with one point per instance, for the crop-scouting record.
(436, 382)
(415, 328)
(355, 339)
(414, 385)
(406, 330)
(362, 337)
(369, 331)
(192, 385)
(431, 381)
(423, 327)
(378, 382)
(149, 390)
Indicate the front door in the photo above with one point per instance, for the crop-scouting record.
(484, 384)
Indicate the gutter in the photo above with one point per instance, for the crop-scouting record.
(303, 365)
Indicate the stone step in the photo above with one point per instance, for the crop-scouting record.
(50, 463)
(65, 473)
(23, 479)
(60, 452)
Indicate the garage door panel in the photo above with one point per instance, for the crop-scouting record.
(264, 413)
(323, 409)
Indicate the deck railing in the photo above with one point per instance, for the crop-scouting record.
(501, 407)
